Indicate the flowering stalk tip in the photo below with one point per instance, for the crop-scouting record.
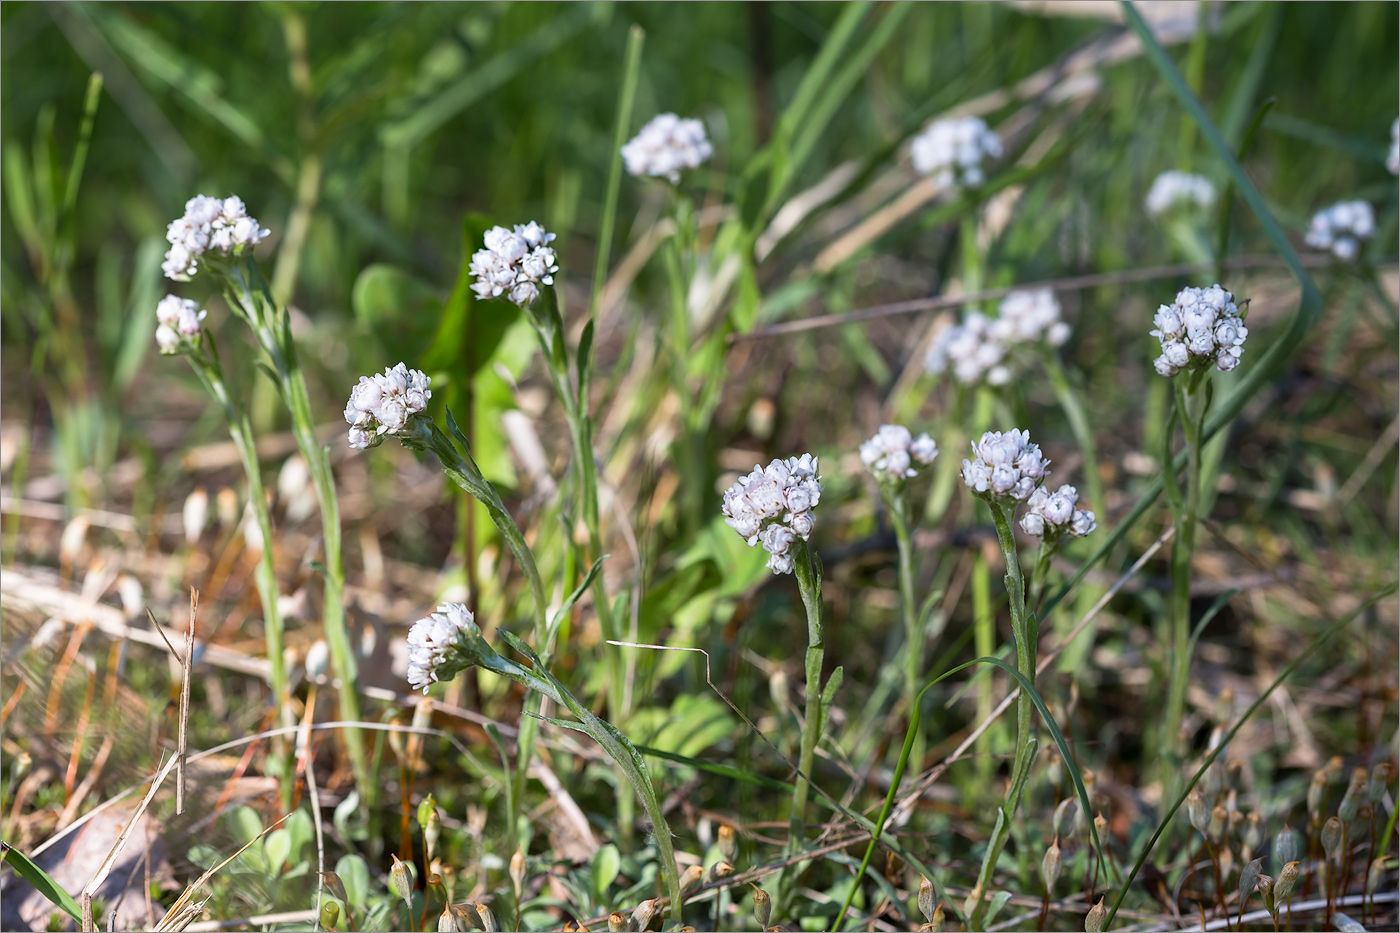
(979, 348)
(432, 644)
(1007, 468)
(954, 151)
(514, 263)
(1174, 190)
(892, 453)
(217, 226)
(1203, 326)
(774, 505)
(386, 404)
(179, 324)
(1341, 229)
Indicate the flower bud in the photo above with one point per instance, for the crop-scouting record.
(1380, 780)
(617, 922)
(1093, 922)
(1058, 822)
(728, 842)
(1332, 839)
(926, 898)
(330, 914)
(642, 914)
(1100, 827)
(1287, 878)
(1356, 792)
(1050, 866)
(1219, 822)
(333, 884)
(1316, 791)
(1253, 830)
(1197, 811)
(488, 919)
(1285, 846)
(762, 906)
(400, 881)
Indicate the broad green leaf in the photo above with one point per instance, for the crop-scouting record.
(400, 310)
(607, 862)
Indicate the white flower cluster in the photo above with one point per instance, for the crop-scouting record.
(515, 263)
(1173, 189)
(1052, 514)
(893, 451)
(1341, 228)
(1008, 466)
(385, 403)
(953, 151)
(1202, 327)
(1392, 161)
(218, 224)
(976, 349)
(431, 639)
(773, 505)
(180, 321)
(666, 146)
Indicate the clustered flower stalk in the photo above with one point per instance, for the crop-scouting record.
(180, 331)
(1202, 330)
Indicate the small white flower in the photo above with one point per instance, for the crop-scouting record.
(1203, 326)
(666, 146)
(1030, 315)
(1341, 228)
(954, 151)
(980, 349)
(773, 505)
(1052, 514)
(385, 404)
(1173, 189)
(180, 321)
(1007, 466)
(430, 643)
(514, 263)
(893, 451)
(208, 224)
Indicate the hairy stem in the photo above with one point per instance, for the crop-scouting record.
(809, 585)
(1189, 410)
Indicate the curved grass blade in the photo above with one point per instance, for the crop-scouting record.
(45, 885)
(904, 753)
(1332, 629)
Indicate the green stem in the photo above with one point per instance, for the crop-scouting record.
(1190, 409)
(1024, 634)
(913, 635)
(1041, 575)
(810, 587)
(250, 297)
(205, 362)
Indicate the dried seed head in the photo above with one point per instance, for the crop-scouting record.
(447, 921)
(1050, 866)
(333, 884)
(1197, 811)
(1249, 878)
(728, 842)
(1219, 822)
(1236, 818)
(691, 879)
(1375, 875)
(488, 919)
(1057, 824)
(721, 870)
(1356, 793)
(330, 914)
(936, 924)
(642, 914)
(1334, 768)
(1380, 780)
(926, 898)
(1093, 923)
(762, 906)
(399, 879)
(1316, 791)
(517, 871)
(1285, 846)
(1287, 878)
(465, 923)
(1332, 839)
(617, 922)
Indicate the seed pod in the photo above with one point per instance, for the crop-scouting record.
(936, 924)
(1375, 875)
(400, 881)
(447, 921)
(1058, 823)
(1283, 888)
(1253, 830)
(1285, 846)
(1380, 780)
(1225, 705)
(1219, 822)
(1050, 867)
(1332, 839)
(691, 878)
(465, 923)
(488, 919)
(926, 898)
(728, 842)
(1093, 923)
(1100, 827)
(720, 870)
(762, 906)
(334, 885)
(1334, 768)
(642, 914)
(1316, 791)
(517, 871)
(1356, 793)
(617, 922)
(1249, 879)
(1265, 887)
(1197, 811)
(432, 832)
(330, 914)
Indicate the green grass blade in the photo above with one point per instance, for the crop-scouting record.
(631, 68)
(1331, 630)
(75, 170)
(42, 882)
